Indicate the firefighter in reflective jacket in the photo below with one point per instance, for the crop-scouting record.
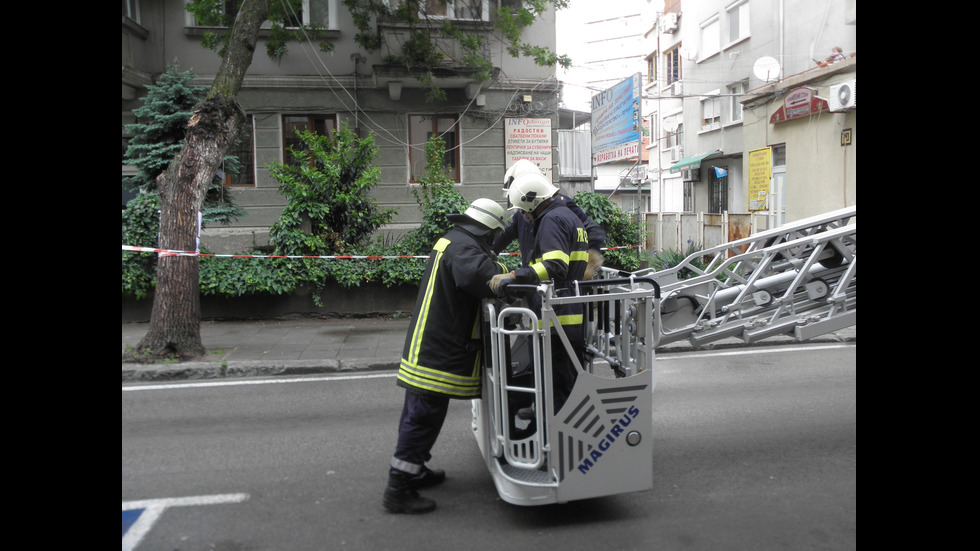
(520, 225)
(560, 254)
(440, 360)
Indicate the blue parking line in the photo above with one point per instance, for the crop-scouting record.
(129, 517)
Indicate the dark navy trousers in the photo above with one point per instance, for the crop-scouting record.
(419, 427)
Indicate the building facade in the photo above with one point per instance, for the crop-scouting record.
(315, 90)
(724, 68)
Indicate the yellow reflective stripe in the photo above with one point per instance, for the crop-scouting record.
(476, 366)
(416, 346)
(436, 375)
(571, 319)
(438, 381)
(441, 244)
(469, 392)
(555, 255)
(580, 255)
(475, 332)
(541, 271)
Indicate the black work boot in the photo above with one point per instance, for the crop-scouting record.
(427, 477)
(401, 497)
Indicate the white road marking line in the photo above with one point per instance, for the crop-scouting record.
(747, 351)
(255, 382)
(659, 357)
(153, 508)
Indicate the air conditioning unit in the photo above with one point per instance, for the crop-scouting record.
(843, 96)
(670, 22)
(691, 174)
(676, 153)
(676, 89)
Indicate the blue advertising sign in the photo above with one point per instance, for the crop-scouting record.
(617, 122)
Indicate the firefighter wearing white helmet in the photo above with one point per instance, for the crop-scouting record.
(559, 254)
(481, 216)
(519, 168)
(440, 358)
(529, 190)
(519, 227)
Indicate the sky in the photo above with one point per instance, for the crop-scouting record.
(573, 38)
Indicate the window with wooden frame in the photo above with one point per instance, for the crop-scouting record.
(423, 127)
(244, 150)
(318, 124)
(672, 64)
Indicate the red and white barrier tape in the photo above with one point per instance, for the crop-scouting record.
(169, 252)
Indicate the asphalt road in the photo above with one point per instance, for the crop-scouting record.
(755, 450)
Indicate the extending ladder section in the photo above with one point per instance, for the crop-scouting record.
(798, 280)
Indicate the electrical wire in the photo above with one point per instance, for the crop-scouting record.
(356, 111)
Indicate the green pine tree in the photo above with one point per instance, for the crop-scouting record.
(157, 137)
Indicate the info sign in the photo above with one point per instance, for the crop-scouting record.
(617, 122)
(528, 139)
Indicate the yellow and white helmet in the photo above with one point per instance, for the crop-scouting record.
(529, 190)
(487, 213)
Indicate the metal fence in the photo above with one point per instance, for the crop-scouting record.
(678, 230)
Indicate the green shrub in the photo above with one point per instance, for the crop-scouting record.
(671, 258)
(621, 230)
(140, 226)
(329, 213)
(328, 209)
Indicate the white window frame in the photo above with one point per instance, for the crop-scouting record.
(451, 10)
(710, 37)
(711, 111)
(331, 13)
(737, 12)
(735, 107)
(131, 9)
(331, 16)
(654, 119)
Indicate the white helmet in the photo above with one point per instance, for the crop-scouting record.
(487, 213)
(529, 190)
(522, 166)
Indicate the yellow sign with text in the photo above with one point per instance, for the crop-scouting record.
(760, 172)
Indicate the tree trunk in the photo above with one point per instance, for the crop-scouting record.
(175, 321)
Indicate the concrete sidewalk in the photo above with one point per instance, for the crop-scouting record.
(279, 347)
(324, 345)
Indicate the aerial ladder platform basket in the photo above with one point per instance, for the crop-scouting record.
(797, 280)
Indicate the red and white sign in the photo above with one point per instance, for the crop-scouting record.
(528, 139)
(799, 103)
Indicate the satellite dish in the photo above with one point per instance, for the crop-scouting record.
(670, 123)
(766, 69)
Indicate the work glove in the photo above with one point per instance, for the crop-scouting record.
(595, 262)
(500, 281)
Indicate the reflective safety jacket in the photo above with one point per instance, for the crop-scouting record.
(441, 353)
(560, 253)
(522, 230)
